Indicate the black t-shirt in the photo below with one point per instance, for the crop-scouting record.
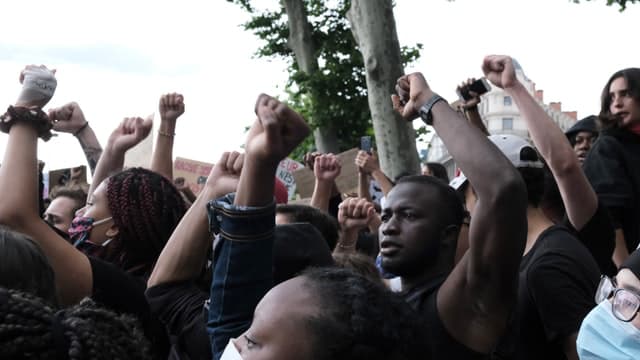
(558, 280)
(123, 293)
(180, 307)
(598, 236)
(439, 342)
(613, 168)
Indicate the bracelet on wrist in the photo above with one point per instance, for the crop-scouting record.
(166, 134)
(81, 129)
(33, 116)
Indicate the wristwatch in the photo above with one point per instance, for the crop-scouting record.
(425, 110)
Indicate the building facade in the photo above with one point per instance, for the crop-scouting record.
(501, 116)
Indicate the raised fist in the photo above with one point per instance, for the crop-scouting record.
(38, 86)
(355, 214)
(500, 71)
(276, 132)
(327, 167)
(367, 162)
(68, 118)
(475, 98)
(412, 91)
(171, 106)
(310, 159)
(129, 133)
(225, 174)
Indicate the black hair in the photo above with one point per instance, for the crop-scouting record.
(632, 77)
(450, 205)
(146, 207)
(533, 177)
(359, 263)
(325, 223)
(30, 328)
(23, 266)
(360, 319)
(438, 170)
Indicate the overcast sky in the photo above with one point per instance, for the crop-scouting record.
(116, 58)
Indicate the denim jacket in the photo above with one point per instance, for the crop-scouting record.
(242, 272)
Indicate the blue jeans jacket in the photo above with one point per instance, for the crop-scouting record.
(242, 272)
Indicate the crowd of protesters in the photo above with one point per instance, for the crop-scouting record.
(528, 253)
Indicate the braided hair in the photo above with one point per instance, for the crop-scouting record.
(32, 329)
(146, 207)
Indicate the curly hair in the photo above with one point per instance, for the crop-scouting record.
(146, 207)
(32, 329)
(361, 319)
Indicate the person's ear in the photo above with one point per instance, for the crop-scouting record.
(113, 231)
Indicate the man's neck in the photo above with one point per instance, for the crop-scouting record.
(537, 223)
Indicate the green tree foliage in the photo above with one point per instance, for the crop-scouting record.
(621, 3)
(335, 95)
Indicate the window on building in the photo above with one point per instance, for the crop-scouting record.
(507, 123)
(507, 101)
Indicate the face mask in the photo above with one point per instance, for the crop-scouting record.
(230, 352)
(80, 230)
(603, 336)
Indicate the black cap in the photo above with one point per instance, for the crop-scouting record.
(588, 124)
(633, 263)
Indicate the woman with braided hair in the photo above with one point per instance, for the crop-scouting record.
(30, 328)
(128, 218)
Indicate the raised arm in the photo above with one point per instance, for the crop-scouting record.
(577, 194)
(70, 119)
(368, 162)
(128, 134)
(184, 254)
(19, 205)
(171, 107)
(354, 214)
(326, 168)
(476, 299)
(243, 270)
(470, 107)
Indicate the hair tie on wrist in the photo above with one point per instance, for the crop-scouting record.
(77, 132)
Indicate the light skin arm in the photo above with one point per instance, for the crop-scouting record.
(171, 107)
(128, 134)
(354, 214)
(620, 253)
(476, 299)
(363, 185)
(70, 119)
(19, 211)
(369, 163)
(184, 255)
(577, 194)
(326, 169)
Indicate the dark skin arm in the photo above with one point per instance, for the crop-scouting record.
(476, 299)
(470, 107)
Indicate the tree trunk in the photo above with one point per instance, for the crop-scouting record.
(301, 43)
(374, 29)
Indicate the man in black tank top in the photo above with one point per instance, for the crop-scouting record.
(466, 307)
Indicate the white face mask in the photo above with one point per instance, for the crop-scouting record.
(230, 352)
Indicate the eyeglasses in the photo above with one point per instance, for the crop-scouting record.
(625, 304)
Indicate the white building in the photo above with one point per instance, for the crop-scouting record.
(501, 116)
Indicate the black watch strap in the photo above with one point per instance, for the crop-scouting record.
(425, 110)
